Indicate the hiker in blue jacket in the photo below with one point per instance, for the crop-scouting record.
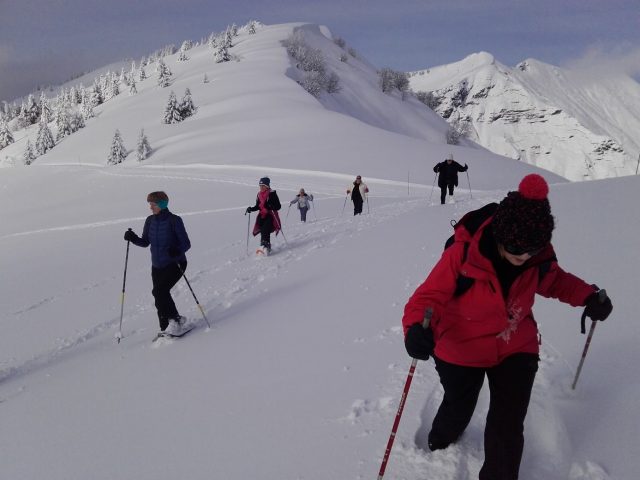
(165, 233)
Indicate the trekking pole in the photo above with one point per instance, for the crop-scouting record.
(313, 205)
(285, 218)
(602, 296)
(435, 175)
(425, 324)
(368, 211)
(124, 281)
(248, 227)
(345, 203)
(194, 295)
(281, 230)
(469, 183)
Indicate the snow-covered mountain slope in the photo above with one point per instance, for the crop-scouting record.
(572, 123)
(256, 92)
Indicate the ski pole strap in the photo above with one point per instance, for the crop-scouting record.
(428, 313)
(602, 296)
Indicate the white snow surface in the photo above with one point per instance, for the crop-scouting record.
(301, 373)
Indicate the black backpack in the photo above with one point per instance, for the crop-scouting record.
(472, 221)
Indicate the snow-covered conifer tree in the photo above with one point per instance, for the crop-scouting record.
(28, 156)
(23, 120)
(142, 75)
(132, 86)
(76, 121)
(31, 110)
(172, 110)
(182, 56)
(164, 74)
(143, 149)
(187, 108)
(86, 106)
(212, 41)
(252, 27)
(117, 152)
(5, 134)
(228, 37)
(44, 141)
(96, 94)
(62, 123)
(222, 53)
(44, 107)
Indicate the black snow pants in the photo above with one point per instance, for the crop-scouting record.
(510, 385)
(266, 226)
(163, 281)
(443, 192)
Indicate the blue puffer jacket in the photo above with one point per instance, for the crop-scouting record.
(163, 231)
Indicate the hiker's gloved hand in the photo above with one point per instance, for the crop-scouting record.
(597, 308)
(174, 252)
(130, 236)
(248, 210)
(419, 342)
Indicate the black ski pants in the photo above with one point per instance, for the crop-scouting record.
(443, 191)
(266, 226)
(163, 281)
(510, 385)
(357, 205)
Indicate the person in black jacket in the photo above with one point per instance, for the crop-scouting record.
(268, 203)
(448, 175)
(169, 241)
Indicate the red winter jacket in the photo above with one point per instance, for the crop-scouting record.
(480, 328)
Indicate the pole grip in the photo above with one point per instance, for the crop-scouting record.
(602, 296)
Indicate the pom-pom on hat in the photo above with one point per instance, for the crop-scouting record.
(264, 181)
(523, 221)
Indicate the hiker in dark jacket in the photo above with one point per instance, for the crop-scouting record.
(268, 220)
(358, 191)
(448, 175)
(302, 199)
(166, 235)
(489, 330)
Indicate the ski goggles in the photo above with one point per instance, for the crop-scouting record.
(518, 250)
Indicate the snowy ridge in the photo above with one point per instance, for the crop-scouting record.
(570, 122)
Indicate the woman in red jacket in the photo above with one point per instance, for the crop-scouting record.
(481, 293)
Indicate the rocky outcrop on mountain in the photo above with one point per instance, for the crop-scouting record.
(538, 114)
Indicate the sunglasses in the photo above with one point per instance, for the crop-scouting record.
(518, 251)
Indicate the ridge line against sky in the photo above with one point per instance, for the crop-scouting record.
(67, 37)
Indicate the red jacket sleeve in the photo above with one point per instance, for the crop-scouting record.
(564, 286)
(436, 290)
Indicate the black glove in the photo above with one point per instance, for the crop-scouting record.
(466, 166)
(598, 306)
(248, 210)
(174, 252)
(419, 342)
(130, 236)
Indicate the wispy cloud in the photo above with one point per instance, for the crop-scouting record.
(602, 60)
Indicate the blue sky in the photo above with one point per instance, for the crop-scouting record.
(48, 41)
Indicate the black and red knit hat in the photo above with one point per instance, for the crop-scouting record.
(523, 221)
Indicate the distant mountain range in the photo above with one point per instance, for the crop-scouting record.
(573, 123)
